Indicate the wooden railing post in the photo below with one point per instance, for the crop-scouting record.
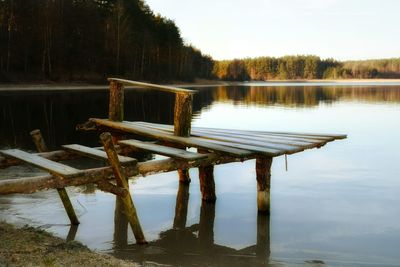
(116, 101)
(41, 147)
(182, 124)
(263, 171)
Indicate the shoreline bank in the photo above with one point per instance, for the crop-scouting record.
(197, 84)
(28, 246)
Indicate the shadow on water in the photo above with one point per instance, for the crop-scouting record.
(193, 245)
(57, 113)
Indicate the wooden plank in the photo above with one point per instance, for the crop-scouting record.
(163, 136)
(163, 150)
(252, 139)
(303, 136)
(96, 153)
(42, 163)
(153, 86)
(255, 149)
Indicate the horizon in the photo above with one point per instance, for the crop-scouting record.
(338, 29)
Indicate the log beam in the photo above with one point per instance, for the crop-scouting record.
(29, 185)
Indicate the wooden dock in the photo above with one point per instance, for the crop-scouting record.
(121, 138)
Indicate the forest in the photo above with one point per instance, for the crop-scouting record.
(304, 67)
(88, 40)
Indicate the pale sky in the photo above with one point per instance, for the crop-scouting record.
(342, 29)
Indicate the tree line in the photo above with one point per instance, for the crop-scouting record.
(89, 40)
(304, 67)
(92, 39)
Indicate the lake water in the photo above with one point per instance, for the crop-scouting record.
(335, 206)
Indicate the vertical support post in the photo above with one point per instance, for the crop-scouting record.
(41, 147)
(181, 206)
(116, 113)
(116, 101)
(263, 171)
(206, 225)
(182, 124)
(120, 225)
(263, 246)
(129, 207)
(207, 184)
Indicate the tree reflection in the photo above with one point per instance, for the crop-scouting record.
(194, 245)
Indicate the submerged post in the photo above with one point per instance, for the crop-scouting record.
(41, 147)
(182, 124)
(121, 179)
(263, 171)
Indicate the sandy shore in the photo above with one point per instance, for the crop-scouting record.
(29, 246)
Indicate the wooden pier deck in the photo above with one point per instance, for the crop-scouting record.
(121, 138)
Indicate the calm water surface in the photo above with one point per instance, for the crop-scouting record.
(335, 206)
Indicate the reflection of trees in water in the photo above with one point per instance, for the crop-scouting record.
(303, 96)
(57, 113)
(193, 245)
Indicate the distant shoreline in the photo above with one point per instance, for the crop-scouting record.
(197, 83)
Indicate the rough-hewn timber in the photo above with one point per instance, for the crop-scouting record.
(122, 182)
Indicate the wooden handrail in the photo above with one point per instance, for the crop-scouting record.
(164, 88)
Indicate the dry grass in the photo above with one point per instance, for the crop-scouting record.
(33, 247)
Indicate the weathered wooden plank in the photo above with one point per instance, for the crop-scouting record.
(293, 139)
(162, 136)
(57, 155)
(96, 153)
(300, 136)
(252, 142)
(255, 149)
(163, 150)
(264, 139)
(42, 163)
(154, 86)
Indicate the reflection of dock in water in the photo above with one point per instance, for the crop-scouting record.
(193, 245)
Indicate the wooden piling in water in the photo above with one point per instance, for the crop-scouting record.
(207, 184)
(182, 124)
(181, 206)
(263, 171)
(206, 225)
(41, 147)
(121, 179)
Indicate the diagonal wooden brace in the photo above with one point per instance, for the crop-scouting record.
(121, 179)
